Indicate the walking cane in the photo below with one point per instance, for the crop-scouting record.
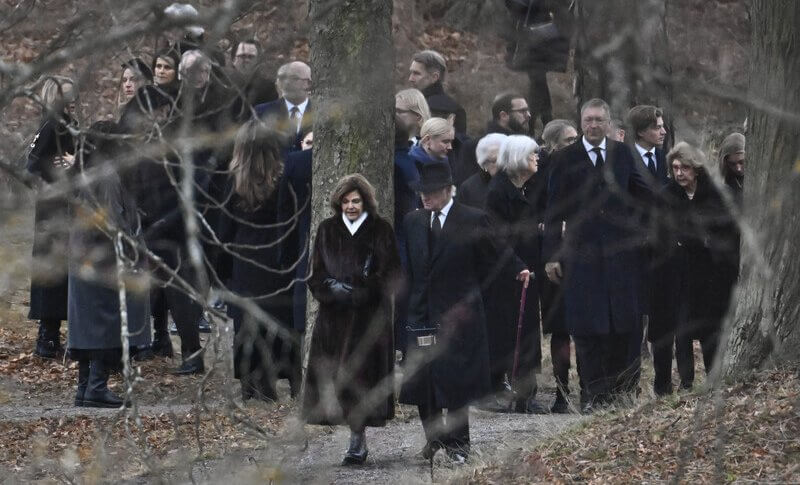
(519, 337)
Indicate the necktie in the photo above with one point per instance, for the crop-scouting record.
(599, 162)
(436, 228)
(651, 164)
(295, 117)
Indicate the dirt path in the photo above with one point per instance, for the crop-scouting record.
(394, 453)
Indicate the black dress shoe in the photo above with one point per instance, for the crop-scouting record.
(189, 366)
(203, 326)
(357, 452)
(142, 354)
(162, 345)
(430, 449)
(97, 394)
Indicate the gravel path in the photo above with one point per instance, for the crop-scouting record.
(394, 453)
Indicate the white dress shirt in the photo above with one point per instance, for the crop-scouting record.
(590, 150)
(643, 155)
(301, 108)
(442, 213)
(354, 225)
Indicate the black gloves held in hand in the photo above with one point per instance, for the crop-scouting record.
(345, 294)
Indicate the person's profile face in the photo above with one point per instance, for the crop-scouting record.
(440, 145)
(406, 118)
(308, 141)
(653, 135)
(568, 137)
(419, 77)
(735, 163)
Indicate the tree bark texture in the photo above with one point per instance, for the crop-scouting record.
(766, 327)
(622, 54)
(352, 60)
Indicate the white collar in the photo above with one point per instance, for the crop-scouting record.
(353, 226)
(445, 210)
(642, 152)
(300, 107)
(589, 147)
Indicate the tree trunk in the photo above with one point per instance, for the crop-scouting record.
(766, 326)
(352, 60)
(622, 54)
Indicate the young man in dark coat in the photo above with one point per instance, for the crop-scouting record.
(647, 125)
(426, 73)
(597, 261)
(452, 255)
(252, 89)
(510, 116)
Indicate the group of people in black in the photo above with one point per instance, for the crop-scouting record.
(204, 181)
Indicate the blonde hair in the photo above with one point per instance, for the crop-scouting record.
(436, 127)
(256, 165)
(415, 100)
(52, 92)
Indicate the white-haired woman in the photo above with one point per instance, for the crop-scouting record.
(512, 205)
(474, 190)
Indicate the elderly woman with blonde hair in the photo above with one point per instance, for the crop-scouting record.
(696, 276)
(512, 205)
(355, 275)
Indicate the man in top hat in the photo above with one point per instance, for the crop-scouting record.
(451, 257)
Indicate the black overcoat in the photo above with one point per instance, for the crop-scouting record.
(51, 230)
(515, 216)
(252, 239)
(599, 252)
(474, 190)
(351, 357)
(94, 309)
(696, 272)
(445, 290)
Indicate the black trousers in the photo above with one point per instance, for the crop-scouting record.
(539, 97)
(453, 433)
(684, 356)
(604, 365)
(560, 354)
(185, 311)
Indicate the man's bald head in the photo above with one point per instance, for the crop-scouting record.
(294, 81)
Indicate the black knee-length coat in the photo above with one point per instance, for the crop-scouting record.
(515, 215)
(51, 231)
(445, 285)
(351, 357)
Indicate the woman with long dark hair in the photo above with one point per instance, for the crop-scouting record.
(51, 156)
(135, 74)
(252, 234)
(355, 275)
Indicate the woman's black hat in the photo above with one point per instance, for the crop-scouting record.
(433, 176)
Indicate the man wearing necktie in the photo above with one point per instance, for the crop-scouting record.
(595, 257)
(647, 124)
(291, 114)
(452, 255)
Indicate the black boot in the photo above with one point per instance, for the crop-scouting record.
(48, 342)
(97, 394)
(357, 453)
(192, 365)
(560, 406)
(162, 345)
(83, 379)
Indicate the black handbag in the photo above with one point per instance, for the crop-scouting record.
(422, 334)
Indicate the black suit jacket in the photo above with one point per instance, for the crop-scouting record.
(276, 114)
(446, 282)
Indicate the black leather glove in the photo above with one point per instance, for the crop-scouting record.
(341, 292)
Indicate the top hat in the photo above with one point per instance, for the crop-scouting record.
(432, 176)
